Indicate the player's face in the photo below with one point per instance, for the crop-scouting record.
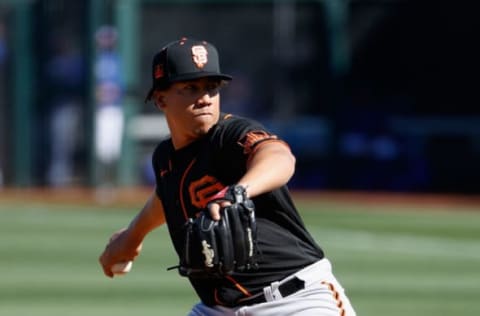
(191, 108)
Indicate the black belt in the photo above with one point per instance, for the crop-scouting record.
(286, 288)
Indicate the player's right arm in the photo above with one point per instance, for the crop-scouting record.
(126, 244)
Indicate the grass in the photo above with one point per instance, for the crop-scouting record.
(393, 260)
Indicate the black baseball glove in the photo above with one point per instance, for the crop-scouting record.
(218, 248)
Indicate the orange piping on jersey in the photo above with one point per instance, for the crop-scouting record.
(238, 286)
(227, 116)
(181, 188)
(217, 299)
(163, 173)
(251, 139)
(336, 295)
(255, 149)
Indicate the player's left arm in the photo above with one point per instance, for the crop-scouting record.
(269, 166)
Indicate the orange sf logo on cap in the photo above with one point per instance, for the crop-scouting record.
(199, 54)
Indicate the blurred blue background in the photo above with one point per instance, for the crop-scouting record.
(377, 95)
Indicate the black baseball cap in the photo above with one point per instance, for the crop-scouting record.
(182, 60)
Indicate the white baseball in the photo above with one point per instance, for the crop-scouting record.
(122, 267)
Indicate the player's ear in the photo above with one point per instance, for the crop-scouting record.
(159, 99)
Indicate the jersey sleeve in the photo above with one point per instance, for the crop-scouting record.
(237, 139)
(248, 134)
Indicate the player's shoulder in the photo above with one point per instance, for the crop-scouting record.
(231, 121)
(232, 128)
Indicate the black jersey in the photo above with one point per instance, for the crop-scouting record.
(187, 177)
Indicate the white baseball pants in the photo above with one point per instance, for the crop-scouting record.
(322, 296)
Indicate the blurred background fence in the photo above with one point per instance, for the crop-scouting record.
(378, 95)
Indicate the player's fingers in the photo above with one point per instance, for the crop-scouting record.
(225, 204)
(214, 209)
(108, 272)
(107, 268)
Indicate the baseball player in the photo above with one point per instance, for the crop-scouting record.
(209, 153)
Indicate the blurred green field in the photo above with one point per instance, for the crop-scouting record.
(392, 259)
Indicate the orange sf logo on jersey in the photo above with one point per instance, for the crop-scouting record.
(203, 189)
